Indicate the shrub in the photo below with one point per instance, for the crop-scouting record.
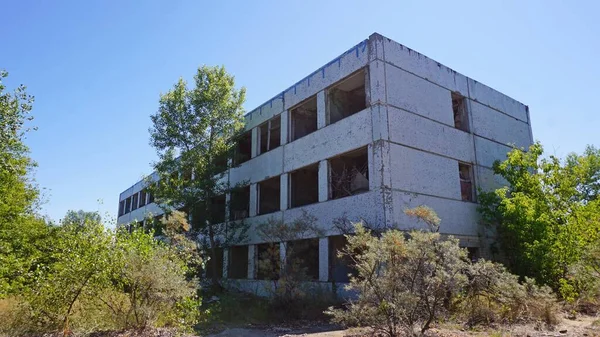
(493, 295)
(404, 281)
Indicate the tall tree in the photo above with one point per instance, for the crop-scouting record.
(549, 213)
(22, 232)
(194, 131)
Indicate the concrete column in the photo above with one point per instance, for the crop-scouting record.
(254, 137)
(324, 259)
(253, 200)
(323, 181)
(321, 109)
(282, 254)
(251, 262)
(284, 127)
(283, 191)
(225, 262)
(227, 206)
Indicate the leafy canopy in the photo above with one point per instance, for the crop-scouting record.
(549, 213)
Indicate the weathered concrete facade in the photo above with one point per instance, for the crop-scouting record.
(425, 135)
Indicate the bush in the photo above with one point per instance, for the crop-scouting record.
(404, 281)
(493, 295)
(103, 280)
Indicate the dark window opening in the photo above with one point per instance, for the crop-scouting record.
(134, 204)
(121, 207)
(303, 258)
(269, 195)
(217, 262)
(238, 262)
(467, 188)
(304, 186)
(473, 253)
(349, 174)
(143, 197)
(459, 110)
(269, 264)
(127, 205)
(217, 205)
(243, 149)
(270, 135)
(304, 118)
(347, 97)
(220, 162)
(150, 198)
(339, 267)
(239, 203)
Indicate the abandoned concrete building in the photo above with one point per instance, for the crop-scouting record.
(376, 131)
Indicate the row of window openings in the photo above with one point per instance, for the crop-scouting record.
(135, 201)
(348, 175)
(343, 99)
(302, 254)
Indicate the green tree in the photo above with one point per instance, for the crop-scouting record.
(22, 232)
(549, 212)
(193, 132)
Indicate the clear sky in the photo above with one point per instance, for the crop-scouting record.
(97, 68)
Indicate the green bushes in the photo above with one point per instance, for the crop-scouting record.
(406, 281)
(100, 280)
(493, 295)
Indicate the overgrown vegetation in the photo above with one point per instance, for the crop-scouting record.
(548, 214)
(407, 281)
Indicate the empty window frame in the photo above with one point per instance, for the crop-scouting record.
(143, 196)
(213, 264)
(339, 267)
(467, 185)
(243, 148)
(303, 257)
(347, 97)
(134, 202)
(269, 194)
(304, 186)
(303, 118)
(150, 198)
(121, 207)
(349, 174)
(459, 110)
(238, 262)
(268, 261)
(127, 205)
(270, 135)
(218, 209)
(239, 204)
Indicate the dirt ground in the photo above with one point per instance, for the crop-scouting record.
(582, 326)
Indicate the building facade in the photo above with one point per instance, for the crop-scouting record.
(376, 131)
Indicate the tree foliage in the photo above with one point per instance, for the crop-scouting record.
(22, 232)
(194, 131)
(549, 212)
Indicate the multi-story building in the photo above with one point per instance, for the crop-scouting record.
(376, 131)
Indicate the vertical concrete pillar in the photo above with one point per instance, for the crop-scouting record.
(227, 206)
(251, 262)
(253, 199)
(321, 110)
(283, 191)
(284, 127)
(225, 262)
(254, 149)
(324, 259)
(323, 181)
(282, 254)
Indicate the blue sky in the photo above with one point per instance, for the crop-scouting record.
(97, 68)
